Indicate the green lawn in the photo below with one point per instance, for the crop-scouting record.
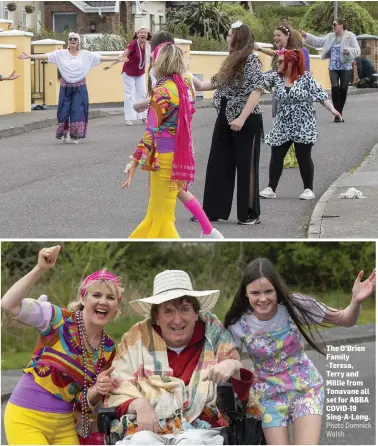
(12, 359)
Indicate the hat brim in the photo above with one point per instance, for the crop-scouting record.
(207, 300)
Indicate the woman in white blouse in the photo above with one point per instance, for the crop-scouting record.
(74, 64)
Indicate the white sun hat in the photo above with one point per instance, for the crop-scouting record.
(172, 284)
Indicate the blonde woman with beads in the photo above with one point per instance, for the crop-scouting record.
(186, 197)
(166, 149)
(73, 107)
(68, 374)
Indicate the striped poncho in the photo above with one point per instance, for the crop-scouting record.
(142, 369)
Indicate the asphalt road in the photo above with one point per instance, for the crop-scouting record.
(50, 190)
(364, 363)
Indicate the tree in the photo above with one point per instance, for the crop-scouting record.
(205, 19)
(319, 18)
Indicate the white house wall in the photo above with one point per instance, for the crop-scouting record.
(154, 11)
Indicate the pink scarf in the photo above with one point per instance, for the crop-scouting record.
(184, 168)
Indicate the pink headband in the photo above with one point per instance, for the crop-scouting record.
(99, 275)
(281, 52)
(158, 48)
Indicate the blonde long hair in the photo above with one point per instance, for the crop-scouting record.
(170, 60)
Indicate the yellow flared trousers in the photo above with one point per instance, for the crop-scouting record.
(160, 219)
(32, 427)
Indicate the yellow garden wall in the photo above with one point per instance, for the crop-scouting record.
(103, 86)
(7, 88)
(21, 40)
(6, 25)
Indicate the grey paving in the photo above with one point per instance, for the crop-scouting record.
(50, 190)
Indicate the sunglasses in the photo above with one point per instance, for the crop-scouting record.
(73, 39)
(279, 62)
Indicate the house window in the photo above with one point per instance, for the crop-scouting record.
(63, 22)
(6, 14)
(161, 22)
(152, 23)
(39, 20)
(25, 19)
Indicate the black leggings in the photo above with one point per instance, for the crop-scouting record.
(306, 165)
(340, 83)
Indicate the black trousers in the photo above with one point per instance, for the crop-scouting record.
(233, 152)
(306, 165)
(339, 84)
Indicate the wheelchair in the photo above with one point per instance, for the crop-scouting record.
(242, 430)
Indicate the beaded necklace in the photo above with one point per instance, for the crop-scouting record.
(82, 336)
(142, 60)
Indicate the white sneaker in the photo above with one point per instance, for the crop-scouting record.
(268, 193)
(65, 139)
(74, 141)
(307, 195)
(213, 234)
(128, 123)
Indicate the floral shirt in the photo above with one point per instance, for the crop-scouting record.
(238, 92)
(296, 116)
(335, 60)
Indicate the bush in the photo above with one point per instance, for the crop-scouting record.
(202, 44)
(237, 12)
(107, 42)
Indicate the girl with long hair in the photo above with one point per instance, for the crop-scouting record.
(166, 149)
(341, 47)
(186, 197)
(237, 134)
(68, 374)
(271, 321)
(295, 90)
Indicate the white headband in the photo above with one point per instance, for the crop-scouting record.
(237, 24)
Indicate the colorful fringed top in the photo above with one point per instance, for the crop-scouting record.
(160, 134)
(56, 362)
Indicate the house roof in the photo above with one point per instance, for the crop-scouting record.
(94, 6)
(100, 4)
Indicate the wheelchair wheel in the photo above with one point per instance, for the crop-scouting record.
(114, 437)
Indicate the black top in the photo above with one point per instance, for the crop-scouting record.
(365, 68)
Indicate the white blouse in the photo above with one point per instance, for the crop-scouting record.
(74, 68)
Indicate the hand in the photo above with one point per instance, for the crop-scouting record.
(104, 383)
(24, 56)
(146, 416)
(222, 371)
(237, 124)
(140, 107)
(13, 76)
(129, 171)
(337, 114)
(362, 290)
(302, 33)
(47, 257)
(346, 52)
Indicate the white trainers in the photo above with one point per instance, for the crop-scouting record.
(65, 139)
(213, 234)
(307, 195)
(268, 193)
(74, 141)
(128, 123)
